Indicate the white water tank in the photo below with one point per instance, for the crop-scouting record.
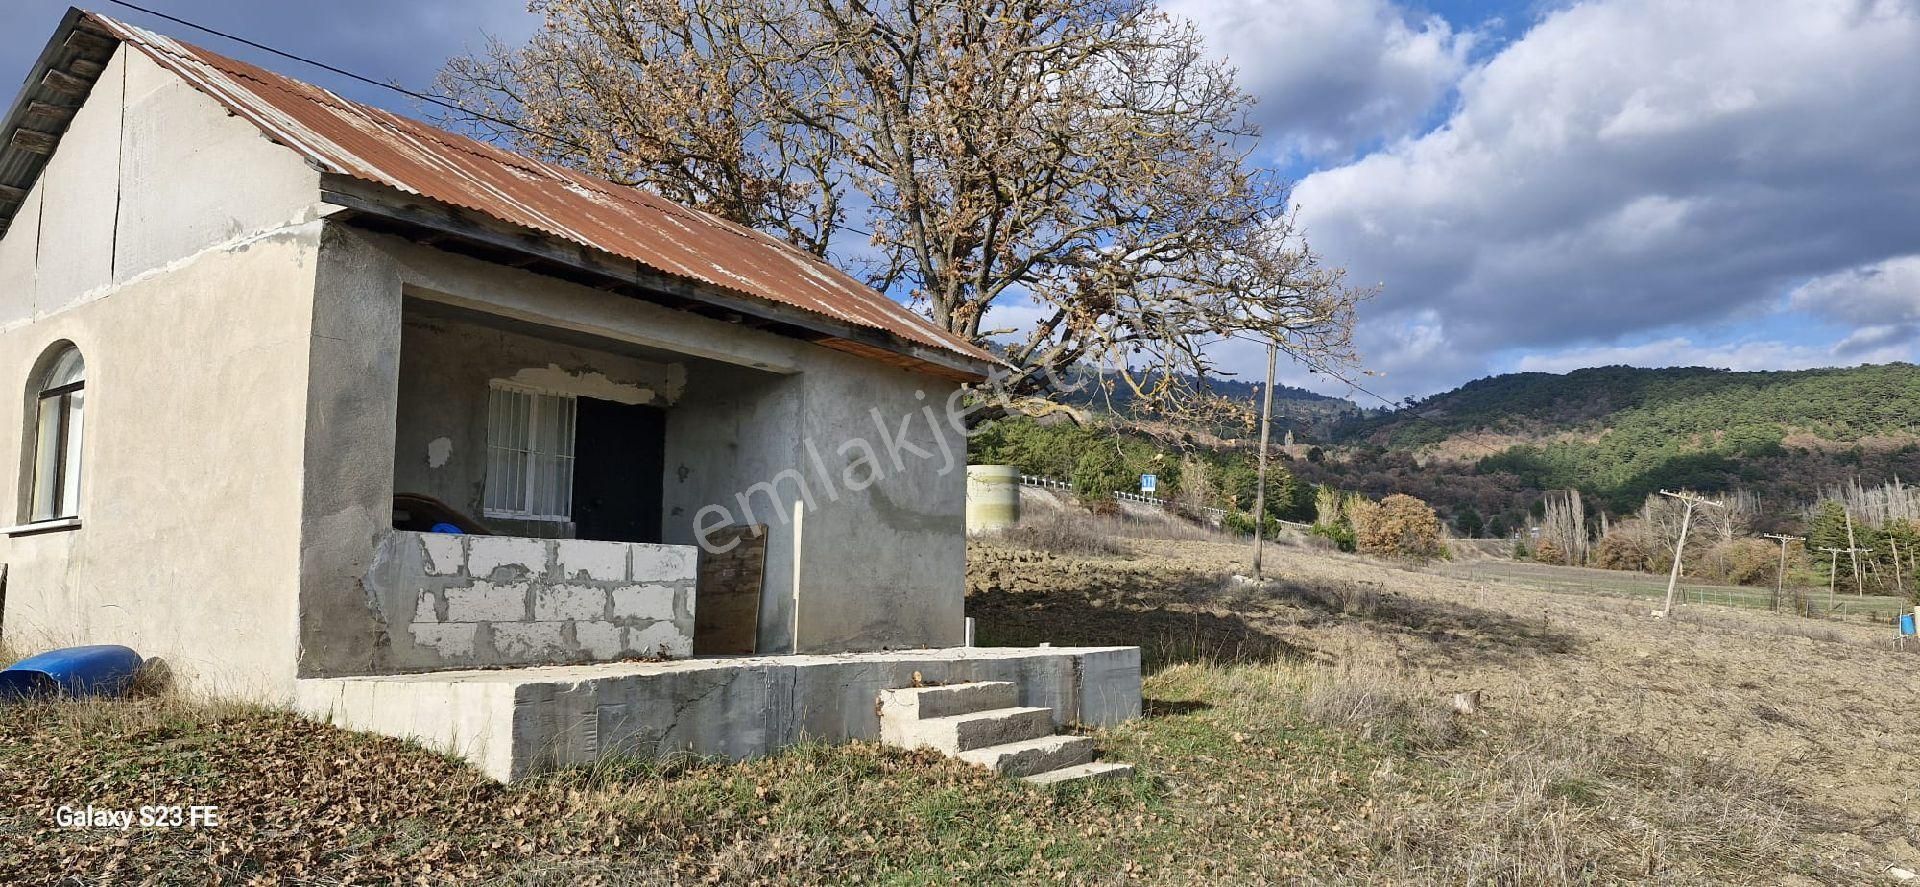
(993, 497)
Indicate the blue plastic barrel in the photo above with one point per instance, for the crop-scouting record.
(97, 670)
(1906, 624)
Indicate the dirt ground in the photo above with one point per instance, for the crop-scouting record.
(1818, 707)
(1294, 731)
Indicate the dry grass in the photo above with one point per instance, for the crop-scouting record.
(1296, 731)
(1373, 705)
(1064, 532)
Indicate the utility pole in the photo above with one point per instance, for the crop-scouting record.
(1673, 577)
(1859, 588)
(1780, 578)
(1899, 585)
(1833, 567)
(1260, 491)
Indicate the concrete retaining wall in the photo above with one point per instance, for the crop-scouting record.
(457, 601)
(517, 722)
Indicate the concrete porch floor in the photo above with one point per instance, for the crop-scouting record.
(515, 722)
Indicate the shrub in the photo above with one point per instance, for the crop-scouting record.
(1339, 534)
(1397, 526)
(1548, 553)
(1622, 548)
(1741, 561)
(1099, 473)
(1241, 523)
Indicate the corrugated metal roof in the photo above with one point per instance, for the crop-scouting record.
(366, 143)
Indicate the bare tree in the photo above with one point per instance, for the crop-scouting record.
(1565, 523)
(1087, 159)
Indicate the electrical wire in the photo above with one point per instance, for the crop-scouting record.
(452, 105)
(430, 98)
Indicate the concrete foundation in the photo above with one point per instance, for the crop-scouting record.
(513, 723)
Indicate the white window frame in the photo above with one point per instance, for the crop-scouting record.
(538, 402)
(58, 441)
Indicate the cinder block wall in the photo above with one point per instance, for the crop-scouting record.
(461, 601)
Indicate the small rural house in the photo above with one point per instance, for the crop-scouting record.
(265, 341)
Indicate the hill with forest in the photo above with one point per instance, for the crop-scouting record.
(1620, 433)
(1307, 413)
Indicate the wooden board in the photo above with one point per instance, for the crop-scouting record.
(726, 596)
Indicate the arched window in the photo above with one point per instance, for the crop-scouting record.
(56, 460)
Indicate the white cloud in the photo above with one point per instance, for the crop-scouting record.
(1880, 293)
(1632, 165)
(1333, 75)
(1680, 351)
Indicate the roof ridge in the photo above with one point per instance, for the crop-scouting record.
(383, 147)
(482, 150)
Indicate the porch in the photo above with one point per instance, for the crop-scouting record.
(513, 723)
(577, 463)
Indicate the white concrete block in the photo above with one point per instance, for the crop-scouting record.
(663, 563)
(588, 559)
(1109, 687)
(1093, 770)
(530, 639)
(958, 733)
(917, 703)
(563, 602)
(643, 602)
(488, 553)
(601, 640)
(447, 639)
(1032, 756)
(445, 553)
(660, 639)
(424, 609)
(487, 602)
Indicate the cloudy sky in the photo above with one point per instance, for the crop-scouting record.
(1532, 185)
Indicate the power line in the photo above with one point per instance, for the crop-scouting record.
(440, 101)
(450, 104)
(444, 102)
(1322, 369)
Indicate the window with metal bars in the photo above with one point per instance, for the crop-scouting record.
(529, 454)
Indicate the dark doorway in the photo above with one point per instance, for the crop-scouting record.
(619, 455)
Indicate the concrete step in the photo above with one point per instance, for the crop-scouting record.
(1032, 756)
(957, 733)
(1094, 770)
(919, 703)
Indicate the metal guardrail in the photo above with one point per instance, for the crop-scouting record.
(1047, 483)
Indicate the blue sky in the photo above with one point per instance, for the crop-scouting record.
(1531, 185)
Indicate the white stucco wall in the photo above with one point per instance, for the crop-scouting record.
(243, 385)
(163, 240)
(867, 569)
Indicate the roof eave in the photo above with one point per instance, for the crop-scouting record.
(55, 88)
(453, 227)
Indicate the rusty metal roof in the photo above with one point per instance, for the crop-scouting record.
(365, 143)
